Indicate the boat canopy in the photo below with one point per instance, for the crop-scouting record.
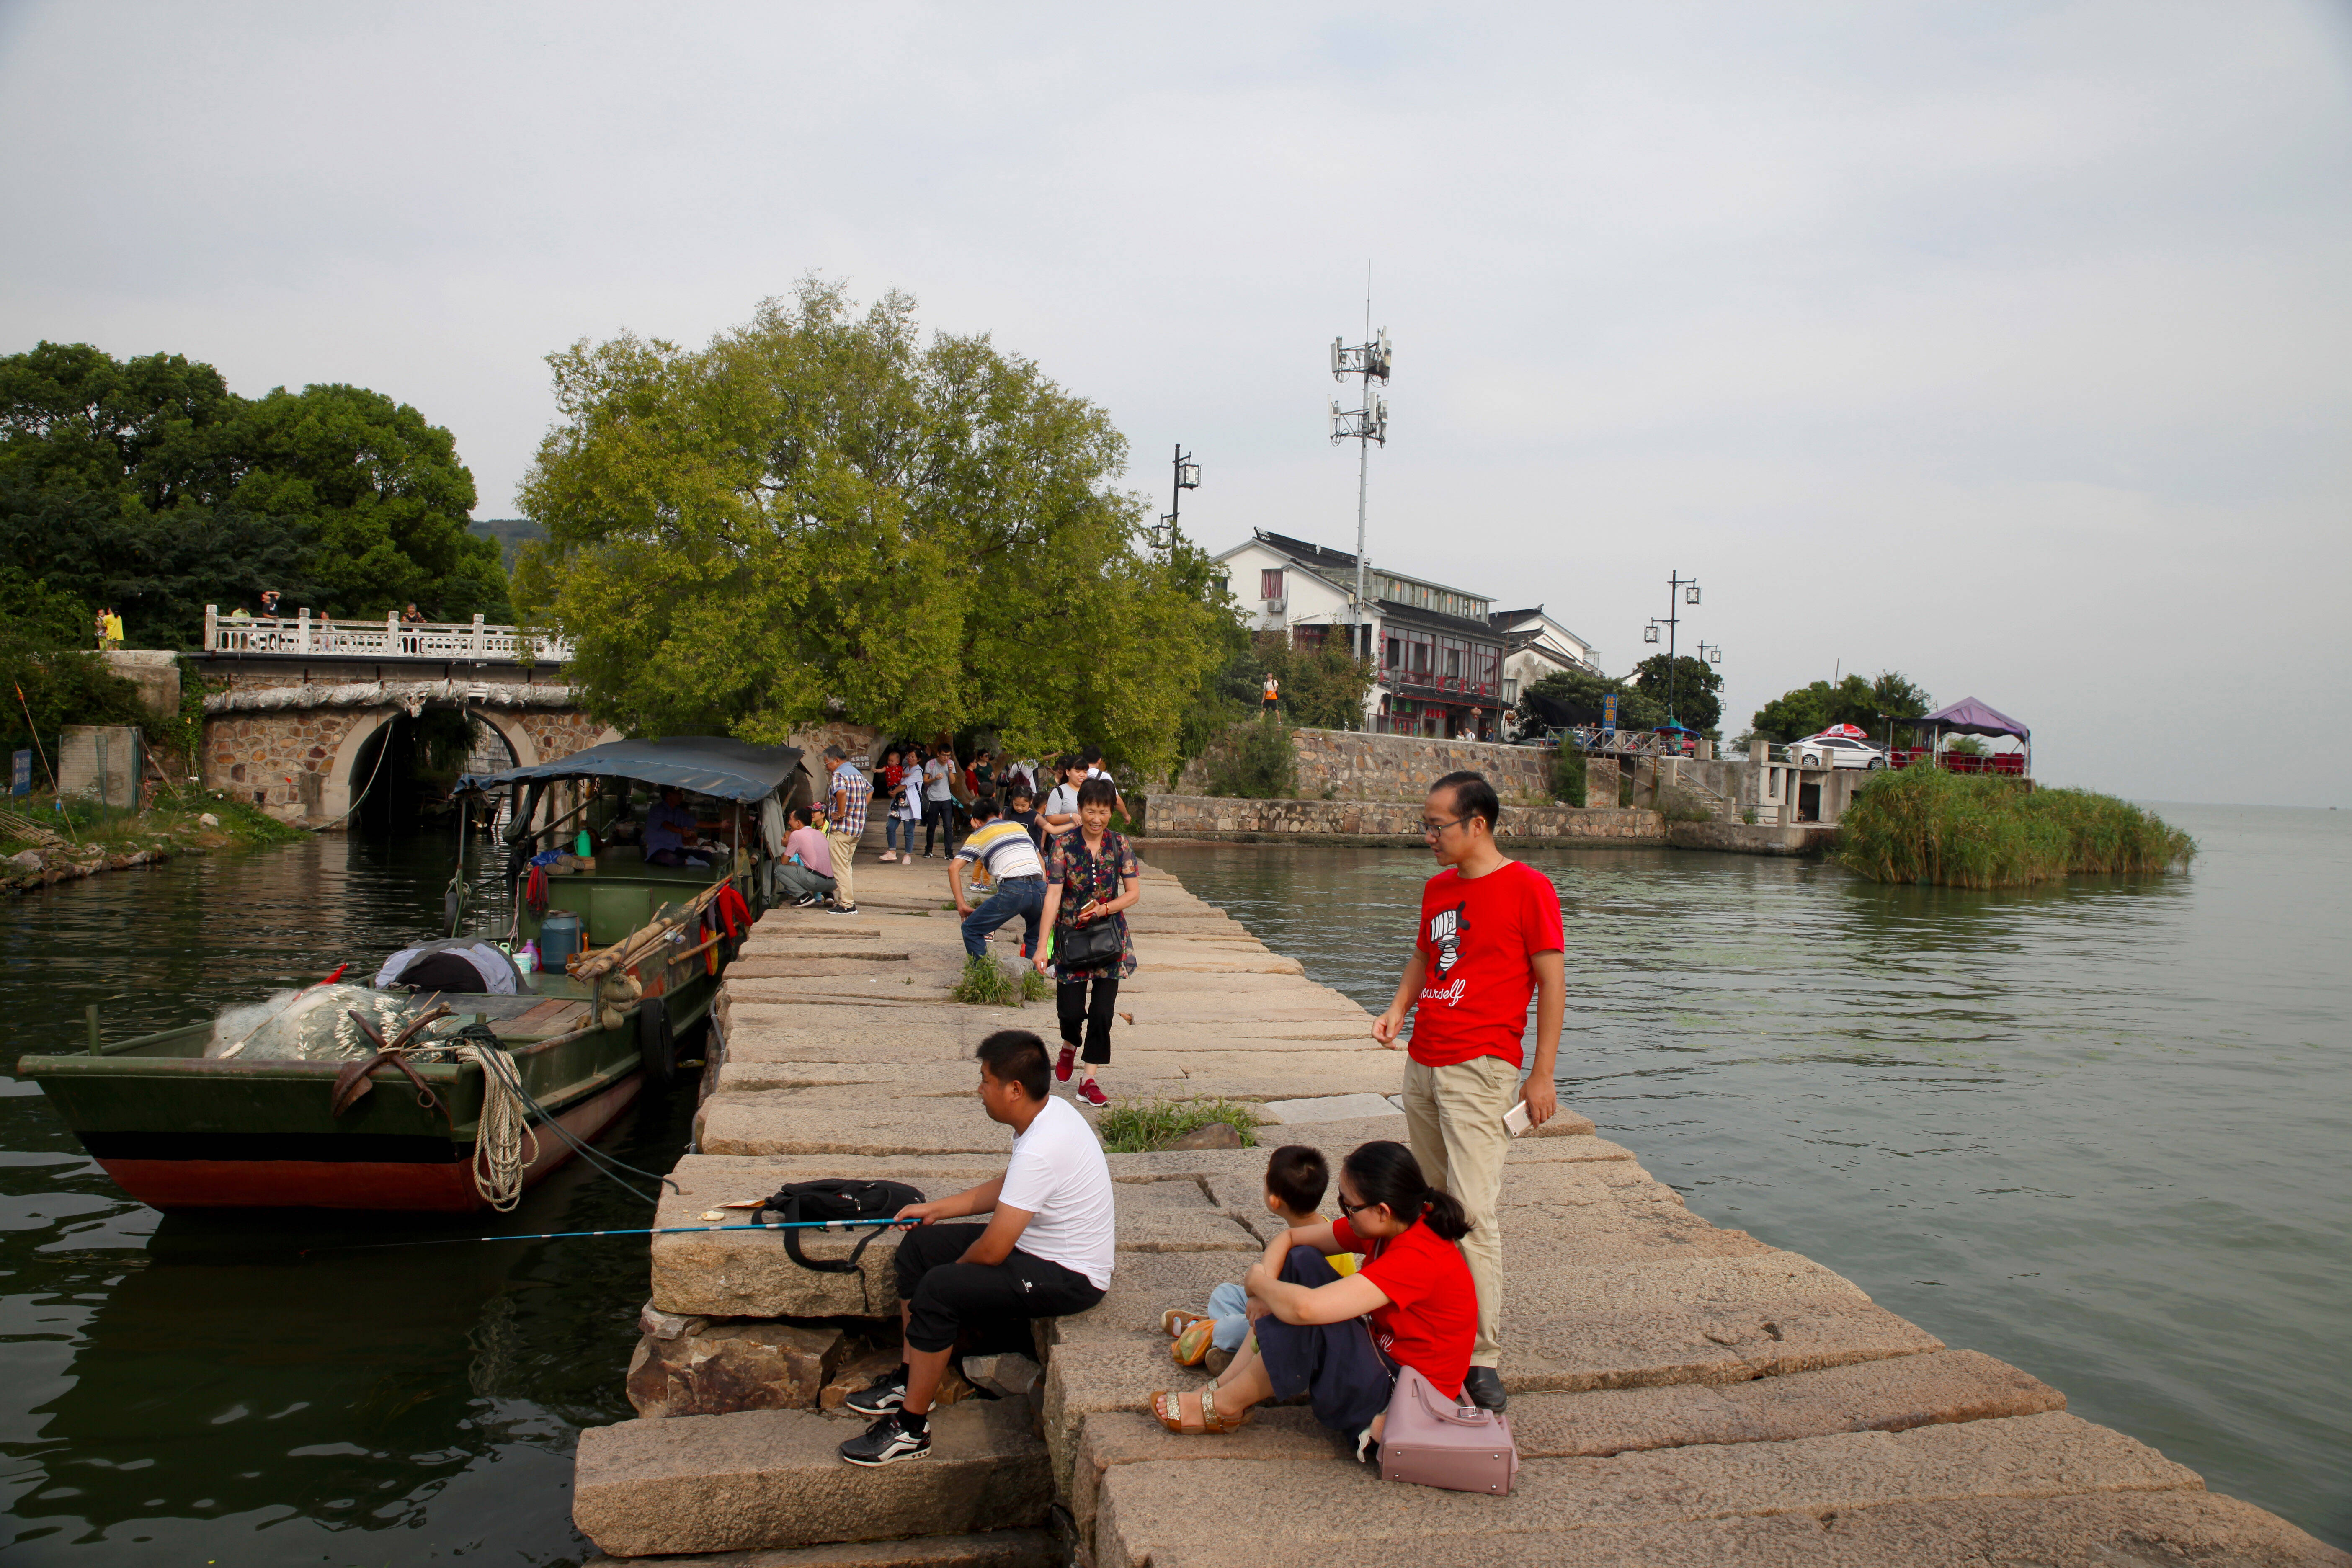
(705, 764)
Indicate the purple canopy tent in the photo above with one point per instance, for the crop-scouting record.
(1970, 717)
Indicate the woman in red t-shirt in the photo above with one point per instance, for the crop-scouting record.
(1410, 1303)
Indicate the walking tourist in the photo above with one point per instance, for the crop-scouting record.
(1092, 758)
(1060, 811)
(888, 779)
(1490, 936)
(1412, 1284)
(1001, 848)
(806, 872)
(1091, 875)
(1045, 1252)
(844, 825)
(1022, 808)
(939, 798)
(908, 806)
(979, 773)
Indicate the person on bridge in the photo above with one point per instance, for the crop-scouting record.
(1490, 937)
(1047, 1250)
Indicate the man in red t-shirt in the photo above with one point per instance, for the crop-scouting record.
(1490, 938)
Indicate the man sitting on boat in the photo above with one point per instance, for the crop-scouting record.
(1045, 1252)
(670, 833)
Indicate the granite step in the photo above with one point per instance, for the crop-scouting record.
(990, 1548)
(762, 1478)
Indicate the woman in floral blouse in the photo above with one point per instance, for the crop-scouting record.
(1090, 876)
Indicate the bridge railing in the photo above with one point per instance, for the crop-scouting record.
(390, 639)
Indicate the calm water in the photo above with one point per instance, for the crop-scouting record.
(186, 1391)
(2098, 1129)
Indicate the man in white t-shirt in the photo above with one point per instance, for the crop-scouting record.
(1045, 1252)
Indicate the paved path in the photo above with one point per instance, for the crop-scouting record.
(1681, 1391)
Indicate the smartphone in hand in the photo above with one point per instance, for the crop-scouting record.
(1517, 1122)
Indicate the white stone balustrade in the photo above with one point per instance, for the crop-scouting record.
(321, 636)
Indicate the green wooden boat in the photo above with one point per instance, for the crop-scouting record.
(179, 1130)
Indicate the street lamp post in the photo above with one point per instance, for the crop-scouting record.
(1168, 532)
(1680, 591)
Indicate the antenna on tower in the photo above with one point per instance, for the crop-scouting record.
(1365, 424)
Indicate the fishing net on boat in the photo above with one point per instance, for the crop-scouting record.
(315, 1025)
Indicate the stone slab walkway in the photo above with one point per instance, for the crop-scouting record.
(1682, 1393)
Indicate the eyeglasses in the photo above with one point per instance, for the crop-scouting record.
(1349, 1210)
(1432, 830)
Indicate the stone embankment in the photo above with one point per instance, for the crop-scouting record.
(1383, 822)
(1682, 1393)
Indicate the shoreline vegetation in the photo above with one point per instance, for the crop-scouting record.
(1954, 830)
(41, 846)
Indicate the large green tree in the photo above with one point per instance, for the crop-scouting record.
(820, 513)
(1583, 694)
(1810, 710)
(148, 485)
(1683, 687)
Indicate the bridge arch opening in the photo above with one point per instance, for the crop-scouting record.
(395, 772)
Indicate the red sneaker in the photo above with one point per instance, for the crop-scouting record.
(1063, 1063)
(1091, 1092)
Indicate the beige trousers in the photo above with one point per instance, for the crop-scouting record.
(844, 892)
(1454, 1116)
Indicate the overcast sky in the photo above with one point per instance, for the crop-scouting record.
(2005, 345)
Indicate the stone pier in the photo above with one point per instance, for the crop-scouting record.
(1681, 1393)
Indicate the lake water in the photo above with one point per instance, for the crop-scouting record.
(2098, 1130)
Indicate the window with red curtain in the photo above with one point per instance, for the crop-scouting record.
(1269, 583)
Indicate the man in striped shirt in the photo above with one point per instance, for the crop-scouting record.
(846, 824)
(1001, 848)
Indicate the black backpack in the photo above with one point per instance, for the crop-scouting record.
(839, 1201)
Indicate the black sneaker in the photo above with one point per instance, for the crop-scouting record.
(879, 1397)
(887, 1442)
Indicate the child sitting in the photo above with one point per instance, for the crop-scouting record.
(1295, 1179)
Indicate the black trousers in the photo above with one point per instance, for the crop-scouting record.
(938, 819)
(1336, 1364)
(989, 1303)
(1072, 1008)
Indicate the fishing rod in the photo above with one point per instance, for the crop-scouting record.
(654, 1230)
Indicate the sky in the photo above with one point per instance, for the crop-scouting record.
(2005, 345)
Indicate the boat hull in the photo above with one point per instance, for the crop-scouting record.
(174, 1174)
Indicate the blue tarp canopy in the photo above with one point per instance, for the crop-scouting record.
(705, 764)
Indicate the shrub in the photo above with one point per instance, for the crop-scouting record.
(1139, 1128)
(1677, 805)
(1253, 761)
(1956, 830)
(1568, 772)
(1035, 987)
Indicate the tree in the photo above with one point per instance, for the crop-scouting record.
(47, 655)
(1810, 710)
(146, 485)
(819, 515)
(1685, 688)
(1581, 695)
(1323, 684)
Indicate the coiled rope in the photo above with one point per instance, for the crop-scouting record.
(505, 1143)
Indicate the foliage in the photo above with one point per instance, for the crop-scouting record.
(988, 984)
(1253, 761)
(50, 673)
(1680, 805)
(1693, 684)
(1568, 772)
(1581, 693)
(1138, 1129)
(1966, 745)
(817, 515)
(1927, 825)
(1035, 987)
(1810, 710)
(511, 533)
(147, 486)
(1323, 685)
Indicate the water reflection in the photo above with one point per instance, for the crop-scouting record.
(2092, 1128)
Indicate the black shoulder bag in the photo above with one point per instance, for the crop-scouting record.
(839, 1201)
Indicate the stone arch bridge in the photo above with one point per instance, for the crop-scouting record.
(291, 705)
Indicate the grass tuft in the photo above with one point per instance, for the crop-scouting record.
(988, 984)
(1035, 987)
(1139, 1128)
(1957, 830)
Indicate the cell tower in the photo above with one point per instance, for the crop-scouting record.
(1363, 424)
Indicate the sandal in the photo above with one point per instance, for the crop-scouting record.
(1193, 1344)
(1168, 1408)
(1176, 1319)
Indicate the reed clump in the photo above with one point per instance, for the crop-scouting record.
(1957, 830)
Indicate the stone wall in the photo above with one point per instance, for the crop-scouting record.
(1381, 822)
(298, 763)
(156, 674)
(1741, 838)
(1341, 765)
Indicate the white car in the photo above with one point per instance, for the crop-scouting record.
(1835, 752)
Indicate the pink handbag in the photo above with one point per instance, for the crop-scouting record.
(1431, 1441)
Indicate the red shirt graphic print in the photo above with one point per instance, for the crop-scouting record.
(1480, 936)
